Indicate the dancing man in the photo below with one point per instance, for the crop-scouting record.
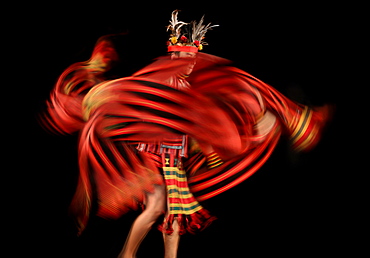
(183, 129)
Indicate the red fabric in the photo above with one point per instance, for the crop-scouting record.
(221, 109)
(64, 108)
(193, 223)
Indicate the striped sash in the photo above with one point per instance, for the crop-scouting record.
(182, 205)
(181, 200)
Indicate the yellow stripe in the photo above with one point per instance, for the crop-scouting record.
(174, 169)
(184, 205)
(170, 187)
(175, 177)
(299, 126)
(182, 196)
(308, 140)
(215, 162)
(187, 212)
(300, 121)
(216, 165)
(213, 155)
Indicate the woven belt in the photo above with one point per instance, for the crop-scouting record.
(179, 147)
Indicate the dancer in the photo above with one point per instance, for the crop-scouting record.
(184, 213)
(231, 116)
(184, 129)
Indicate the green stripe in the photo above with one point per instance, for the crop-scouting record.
(184, 209)
(170, 173)
(177, 191)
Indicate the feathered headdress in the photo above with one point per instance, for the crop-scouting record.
(187, 38)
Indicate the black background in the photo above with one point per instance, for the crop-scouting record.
(296, 205)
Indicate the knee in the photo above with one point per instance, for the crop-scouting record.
(156, 208)
(152, 215)
(158, 212)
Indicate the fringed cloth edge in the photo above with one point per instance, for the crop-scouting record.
(182, 205)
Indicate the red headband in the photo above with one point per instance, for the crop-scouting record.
(182, 48)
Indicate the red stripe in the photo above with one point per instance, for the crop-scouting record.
(177, 183)
(182, 200)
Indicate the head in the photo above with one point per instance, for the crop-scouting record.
(190, 55)
(185, 43)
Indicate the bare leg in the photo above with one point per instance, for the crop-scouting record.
(171, 242)
(155, 205)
